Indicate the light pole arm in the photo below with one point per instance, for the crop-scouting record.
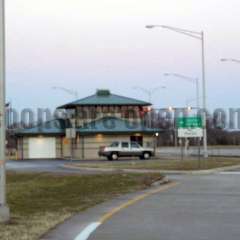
(235, 60)
(185, 77)
(148, 92)
(143, 90)
(230, 60)
(157, 88)
(189, 33)
(71, 92)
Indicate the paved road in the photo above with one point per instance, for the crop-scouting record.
(54, 166)
(200, 208)
(205, 207)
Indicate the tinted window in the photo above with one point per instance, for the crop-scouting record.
(125, 145)
(134, 145)
(114, 144)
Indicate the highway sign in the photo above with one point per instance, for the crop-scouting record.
(189, 122)
(190, 127)
(190, 132)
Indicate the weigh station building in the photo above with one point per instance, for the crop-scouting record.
(95, 121)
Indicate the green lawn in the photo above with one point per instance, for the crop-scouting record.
(40, 201)
(166, 164)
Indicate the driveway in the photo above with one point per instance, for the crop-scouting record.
(199, 208)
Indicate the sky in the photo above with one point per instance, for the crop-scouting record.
(87, 45)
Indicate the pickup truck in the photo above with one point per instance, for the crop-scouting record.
(125, 149)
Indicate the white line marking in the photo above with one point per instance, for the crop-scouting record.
(84, 235)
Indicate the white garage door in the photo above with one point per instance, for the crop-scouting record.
(42, 147)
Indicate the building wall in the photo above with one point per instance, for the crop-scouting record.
(87, 146)
(84, 147)
(59, 147)
(22, 148)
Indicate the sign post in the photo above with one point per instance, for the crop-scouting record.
(190, 127)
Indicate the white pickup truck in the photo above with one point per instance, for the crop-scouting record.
(125, 149)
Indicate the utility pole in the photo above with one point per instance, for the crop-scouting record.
(4, 210)
(205, 148)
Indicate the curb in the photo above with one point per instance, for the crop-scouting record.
(195, 172)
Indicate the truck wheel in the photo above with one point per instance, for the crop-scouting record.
(146, 155)
(114, 156)
(109, 158)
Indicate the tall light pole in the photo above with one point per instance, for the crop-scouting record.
(199, 36)
(149, 92)
(4, 210)
(189, 79)
(69, 91)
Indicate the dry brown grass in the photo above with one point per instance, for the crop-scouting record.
(38, 202)
(167, 164)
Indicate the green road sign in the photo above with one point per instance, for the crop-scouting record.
(189, 122)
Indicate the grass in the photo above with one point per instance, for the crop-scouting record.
(167, 164)
(40, 201)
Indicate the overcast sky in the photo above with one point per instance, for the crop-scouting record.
(90, 44)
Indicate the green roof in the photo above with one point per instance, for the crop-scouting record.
(106, 98)
(108, 125)
(53, 127)
(115, 125)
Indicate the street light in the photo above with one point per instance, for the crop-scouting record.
(69, 91)
(199, 36)
(189, 79)
(4, 210)
(149, 92)
(230, 60)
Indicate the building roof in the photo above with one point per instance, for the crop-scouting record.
(115, 125)
(53, 127)
(108, 125)
(105, 98)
